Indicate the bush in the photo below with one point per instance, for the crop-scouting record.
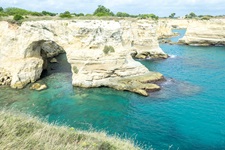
(75, 69)
(36, 14)
(66, 14)
(205, 18)
(108, 49)
(103, 11)
(17, 11)
(46, 13)
(146, 16)
(122, 14)
(3, 14)
(18, 17)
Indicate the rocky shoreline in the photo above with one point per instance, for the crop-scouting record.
(99, 52)
(205, 33)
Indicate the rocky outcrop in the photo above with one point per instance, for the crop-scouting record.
(38, 86)
(164, 30)
(205, 33)
(24, 51)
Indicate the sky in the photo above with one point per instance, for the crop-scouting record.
(162, 8)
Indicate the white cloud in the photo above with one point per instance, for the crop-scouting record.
(159, 7)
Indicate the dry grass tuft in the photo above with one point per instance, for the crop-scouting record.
(19, 131)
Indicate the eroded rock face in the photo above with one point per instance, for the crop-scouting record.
(24, 49)
(205, 33)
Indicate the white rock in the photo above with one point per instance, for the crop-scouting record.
(24, 49)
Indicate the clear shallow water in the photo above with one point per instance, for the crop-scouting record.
(188, 113)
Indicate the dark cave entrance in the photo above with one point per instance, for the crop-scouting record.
(54, 57)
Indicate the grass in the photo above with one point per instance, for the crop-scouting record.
(20, 131)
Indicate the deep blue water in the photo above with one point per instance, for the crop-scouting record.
(188, 113)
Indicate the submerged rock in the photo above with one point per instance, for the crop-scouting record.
(53, 60)
(38, 86)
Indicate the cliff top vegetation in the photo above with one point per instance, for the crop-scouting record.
(20, 131)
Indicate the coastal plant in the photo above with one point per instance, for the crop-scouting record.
(20, 131)
(108, 49)
(17, 11)
(18, 17)
(66, 14)
(146, 16)
(103, 11)
(46, 13)
(172, 15)
(75, 69)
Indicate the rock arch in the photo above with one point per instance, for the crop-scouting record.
(24, 50)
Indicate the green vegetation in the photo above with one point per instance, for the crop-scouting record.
(19, 131)
(46, 13)
(191, 15)
(122, 14)
(146, 16)
(103, 11)
(66, 14)
(18, 17)
(172, 15)
(75, 69)
(108, 49)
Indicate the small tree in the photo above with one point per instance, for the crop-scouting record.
(172, 15)
(191, 15)
(1, 9)
(103, 11)
(66, 14)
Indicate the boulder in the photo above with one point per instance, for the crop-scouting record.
(38, 86)
(53, 60)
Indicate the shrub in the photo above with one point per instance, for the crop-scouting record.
(3, 14)
(145, 16)
(66, 14)
(103, 11)
(108, 49)
(122, 14)
(36, 14)
(17, 11)
(46, 13)
(18, 17)
(75, 69)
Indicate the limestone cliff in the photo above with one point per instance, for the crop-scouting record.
(24, 49)
(205, 33)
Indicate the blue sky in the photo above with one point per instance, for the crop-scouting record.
(158, 7)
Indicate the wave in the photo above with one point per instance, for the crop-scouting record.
(172, 56)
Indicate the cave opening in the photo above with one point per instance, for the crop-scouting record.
(55, 59)
(53, 56)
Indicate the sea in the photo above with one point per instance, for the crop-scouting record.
(188, 113)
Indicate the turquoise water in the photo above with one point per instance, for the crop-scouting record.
(188, 113)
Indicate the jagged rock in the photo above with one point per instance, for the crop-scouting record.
(5, 77)
(38, 86)
(205, 33)
(53, 60)
(29, 45)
